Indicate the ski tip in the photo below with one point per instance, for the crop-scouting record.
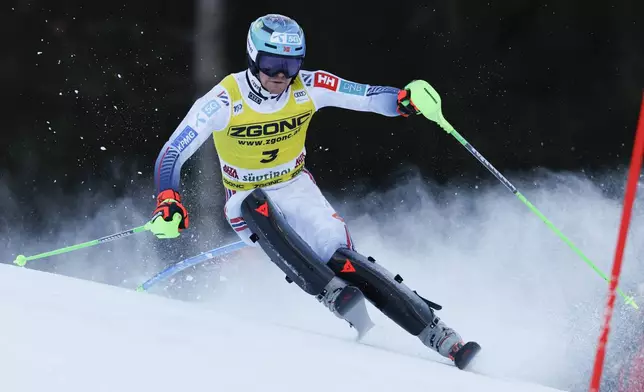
(465, 355)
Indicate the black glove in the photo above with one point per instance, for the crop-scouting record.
(405, 104)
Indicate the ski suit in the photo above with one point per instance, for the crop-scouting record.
(260, 140)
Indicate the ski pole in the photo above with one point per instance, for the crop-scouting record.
(429, 104)
(21, 260)
(179, 266)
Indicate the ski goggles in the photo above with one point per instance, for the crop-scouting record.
(271, 64)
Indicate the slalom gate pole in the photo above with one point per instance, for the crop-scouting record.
(179, 266)
(428, 101)
(21, 260)
(629, 198)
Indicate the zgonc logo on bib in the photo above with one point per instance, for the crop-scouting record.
(271, 128)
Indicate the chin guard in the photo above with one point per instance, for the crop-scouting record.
(384, 290)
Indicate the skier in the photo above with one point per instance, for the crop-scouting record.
(258, 119)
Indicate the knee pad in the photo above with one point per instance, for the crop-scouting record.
(283, 245)
(384, 290)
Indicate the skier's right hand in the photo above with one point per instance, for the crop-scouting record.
(170, 216)
(404, 104)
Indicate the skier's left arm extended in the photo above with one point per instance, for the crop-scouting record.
(329, 90)
(209, 113)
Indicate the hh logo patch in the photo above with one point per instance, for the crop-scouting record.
(300, 96)
(184, 139)
(323, 79)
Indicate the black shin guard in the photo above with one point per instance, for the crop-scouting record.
(283, 245)
(385, 291)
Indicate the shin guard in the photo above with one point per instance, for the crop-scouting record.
(283, 245)
(384, 290)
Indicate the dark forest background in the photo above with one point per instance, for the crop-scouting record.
(92, 90)
(529, 83)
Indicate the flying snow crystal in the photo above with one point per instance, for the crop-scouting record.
(139, 172)
(39, 53)
(103, 148)
(76, 91)
(118, 76)
(81, 138)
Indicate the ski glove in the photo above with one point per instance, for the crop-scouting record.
(405, 104)
(170, 216)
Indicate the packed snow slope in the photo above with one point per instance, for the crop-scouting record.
(65, 334)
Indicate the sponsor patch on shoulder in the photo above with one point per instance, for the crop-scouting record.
(376, 90)
(211, 107)
(224, 98)
(307, 78)
(253, 97)
(325, 80)
(352, 88)
(183, 140)
(238, 107)
(301, 96)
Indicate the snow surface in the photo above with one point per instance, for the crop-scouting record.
(65, 334)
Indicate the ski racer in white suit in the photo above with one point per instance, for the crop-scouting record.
(258, 119)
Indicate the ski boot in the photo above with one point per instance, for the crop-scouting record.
(347, 302)
(444, 340)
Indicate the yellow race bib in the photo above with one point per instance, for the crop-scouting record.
(262, 149)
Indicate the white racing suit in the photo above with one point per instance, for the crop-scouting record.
(241, 94)
(305, 209)
(260, 140)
